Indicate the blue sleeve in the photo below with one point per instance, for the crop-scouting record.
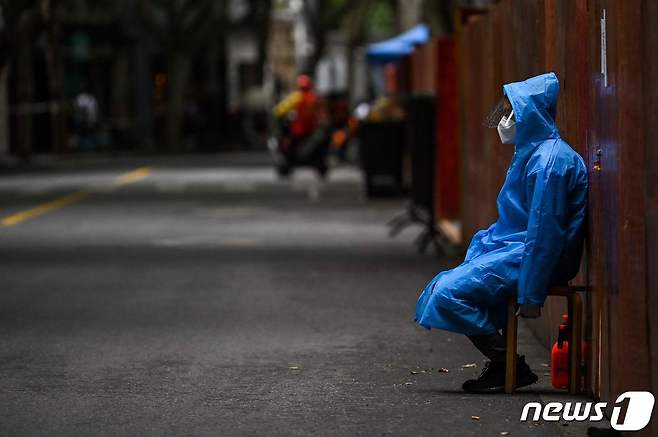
(547, 192)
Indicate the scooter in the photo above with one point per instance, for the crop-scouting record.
(289, 152)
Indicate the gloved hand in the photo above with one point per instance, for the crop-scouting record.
(529, 311)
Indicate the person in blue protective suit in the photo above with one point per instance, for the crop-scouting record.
(536, 241)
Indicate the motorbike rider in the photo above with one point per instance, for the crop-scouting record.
(299, 108)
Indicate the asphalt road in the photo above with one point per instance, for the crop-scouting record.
(205, 297)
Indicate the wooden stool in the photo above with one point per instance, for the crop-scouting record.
(575, 307)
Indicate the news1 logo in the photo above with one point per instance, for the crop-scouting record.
(638, 409)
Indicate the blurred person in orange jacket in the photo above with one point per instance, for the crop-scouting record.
(298, 115)
(300, 105)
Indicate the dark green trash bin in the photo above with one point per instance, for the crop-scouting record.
(381, 157)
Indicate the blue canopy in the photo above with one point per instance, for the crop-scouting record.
(417, 35)
(394, 48)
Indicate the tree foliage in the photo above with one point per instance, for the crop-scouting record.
(180, 25)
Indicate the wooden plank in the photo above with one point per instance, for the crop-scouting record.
(447, 156)
(498, 155)
(596, 241)
(550, 29)
(492, 167)
(511, 333)
(632, 242)
(604, 193)
(471, 89)
(650, 105)
(575, 342)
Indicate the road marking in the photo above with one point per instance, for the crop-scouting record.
(207, 241)
(58, 203)
(133, 176)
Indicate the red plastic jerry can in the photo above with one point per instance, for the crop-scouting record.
(560, 357)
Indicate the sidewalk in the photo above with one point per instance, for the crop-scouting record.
(39, 163)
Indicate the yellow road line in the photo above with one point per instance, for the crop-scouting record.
(133, 176)
(125, 179)
(60, 202)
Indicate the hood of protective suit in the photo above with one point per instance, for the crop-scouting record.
(534, 102)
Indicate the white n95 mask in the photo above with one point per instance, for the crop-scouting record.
(507, 129)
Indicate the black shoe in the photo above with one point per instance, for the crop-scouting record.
(524, 375)
(492, 378)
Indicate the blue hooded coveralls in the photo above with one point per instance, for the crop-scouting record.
(537, 239)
